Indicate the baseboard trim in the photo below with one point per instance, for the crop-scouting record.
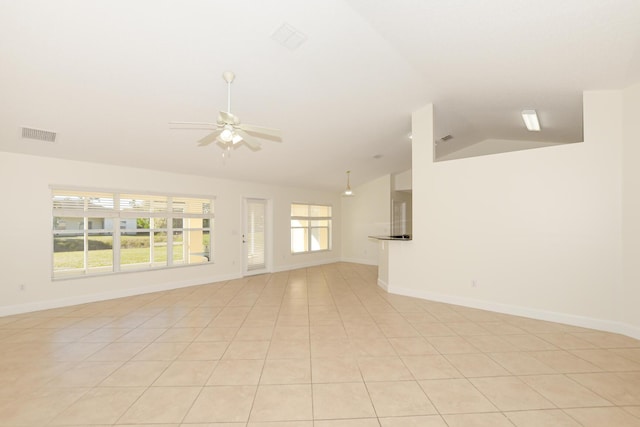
(533, 313)
(304, 265)
(105, 296)
(384, 285)
(359, 261)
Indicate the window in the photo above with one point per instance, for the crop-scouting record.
(310, 228)
(102, 232)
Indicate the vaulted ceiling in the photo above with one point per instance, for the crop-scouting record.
(109, 75)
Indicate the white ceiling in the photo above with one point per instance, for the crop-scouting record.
(108, 76)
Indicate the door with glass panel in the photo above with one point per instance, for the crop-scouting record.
(255, 236)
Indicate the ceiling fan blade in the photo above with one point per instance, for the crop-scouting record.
(193, 123)
(248, 139)
(262, 132)
(209, 138)
(228, 118)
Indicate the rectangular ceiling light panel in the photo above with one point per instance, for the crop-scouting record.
(289, 37)
(531, 120)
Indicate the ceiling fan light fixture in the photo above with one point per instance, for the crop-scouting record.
(236, 138)
(348, 192)
(530, 118)
(227, 134)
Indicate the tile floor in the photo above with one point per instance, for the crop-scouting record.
(323, 347)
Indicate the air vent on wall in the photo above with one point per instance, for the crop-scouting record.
(446, 138)
(38, 134)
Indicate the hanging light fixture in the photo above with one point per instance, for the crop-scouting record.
(347, 192)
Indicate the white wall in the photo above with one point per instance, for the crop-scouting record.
(367, 213)
(631, 205)
(540, 231)
(26, 243)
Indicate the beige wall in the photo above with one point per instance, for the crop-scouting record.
(26, 245)
(631, 205)
(367, 213)
(539, 231)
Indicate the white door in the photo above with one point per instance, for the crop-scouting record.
(255, 236)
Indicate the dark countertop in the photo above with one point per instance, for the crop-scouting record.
(395, 237)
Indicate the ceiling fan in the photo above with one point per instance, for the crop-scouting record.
(228, 131)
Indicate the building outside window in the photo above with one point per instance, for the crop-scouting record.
(310, 228)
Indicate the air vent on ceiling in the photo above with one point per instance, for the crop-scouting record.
(289, 37)
(38, 134)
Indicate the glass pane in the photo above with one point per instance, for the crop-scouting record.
(192, 205)
(320, 223)
(135, 250)
(130, 226)
(68, 253)
(159, 254)
(68, 223)
(81, 200)
(159, 223)
(299, 223)
(100, 254)
(197, 246)
(100, 224)
(143, 203)
(299, 210)
(177, 223)
(319, 239)
(299, 240)
(179, 256)
(320, 210)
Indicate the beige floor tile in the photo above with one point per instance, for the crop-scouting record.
(567, 341)
(222, 404)
(179, 335)
(634, 410)
(204, 350)
(142, 335)
(236, 372)
(527, 342)
(100, 405)
(490, 343)
(282, 403)
(335, 370)
(521, 363)
(186, 373)
(76, 352)
(456, 396)
(477, 420)
(430, 367)
(359, 422)
(254, 333)
(84, 374)
(161, 405)
(247, 350)
(420, 421)
(467, 328)
(161, 351)
(476, 365)
(564, 392)
(38, 406)
(433, 329)
(540, 418)
(106, 335)
(281, 333)
(608, 340)
(620, 389)
(413, 346)
(399, 398)
(378, 347)
(452, 345)
(597, 417)
(331, 348)
(564, 362)
(607, 360)
(217, 334)
(286, 371)
(289, 349)
(265, 424)
(510, 394)
(383, 369)
(135, 374)
(344, 400)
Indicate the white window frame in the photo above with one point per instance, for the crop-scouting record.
(309, 219)
(117, 215)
